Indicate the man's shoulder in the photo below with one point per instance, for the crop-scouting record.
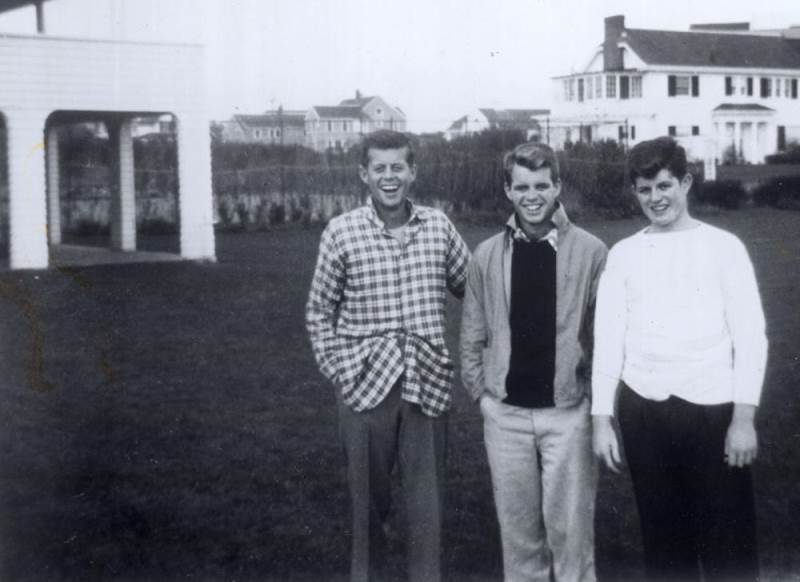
(485, 247)
(588, 239)
(434, 215)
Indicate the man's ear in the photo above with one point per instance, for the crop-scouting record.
(362, 173)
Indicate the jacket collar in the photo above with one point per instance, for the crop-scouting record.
(560, 223)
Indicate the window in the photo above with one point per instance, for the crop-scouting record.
(258, 134)
(728, 85)
(671, 131)
(695, 130)
(598, 86)
(683, 85)
(636, 86)
(611, 86)
(766, 87)
(777, 87)
(624, 86)
(330, 126)
(569, 89)
(620, 132)
(589, 87)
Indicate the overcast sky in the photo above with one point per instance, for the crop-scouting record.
(435, 59)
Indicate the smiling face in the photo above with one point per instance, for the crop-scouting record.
(389, 176)
(534, 196)
(663, 199)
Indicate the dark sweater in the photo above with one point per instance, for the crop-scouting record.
(533, 325)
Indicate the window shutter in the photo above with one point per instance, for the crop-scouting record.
(695, 130)
(794, 88)
(671, 86)
(749, 86)
(624, 86)
(728, 85)
(764, 87)
(695, 86)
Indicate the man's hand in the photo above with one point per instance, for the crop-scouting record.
(741, 442)
(604, 442)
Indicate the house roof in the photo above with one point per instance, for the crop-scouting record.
(742, 107)
(357, 102)
(458, 124)
(338, 111)
(713, 49)
(271, 119)
(7, 5)
(519, 118)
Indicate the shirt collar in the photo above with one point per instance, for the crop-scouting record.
(415, 213)
(559, 222)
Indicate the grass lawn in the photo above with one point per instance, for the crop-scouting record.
(166, 422)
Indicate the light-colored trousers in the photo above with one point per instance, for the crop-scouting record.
(544, 477)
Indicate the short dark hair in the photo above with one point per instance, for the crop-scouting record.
(533, 156)
(386, 139)
(648, 158)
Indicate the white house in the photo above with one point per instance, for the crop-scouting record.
(50, 81)
(341, 126)
(723, 90)
(482, 119)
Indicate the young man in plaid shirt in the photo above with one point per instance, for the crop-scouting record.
(376, 319)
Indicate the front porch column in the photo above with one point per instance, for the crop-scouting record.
(27, 212)
(737, 141)
(53, 186)
(123, 198)
(195, 200)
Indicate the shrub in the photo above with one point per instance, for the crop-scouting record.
(781, 192)
(157, 226)
(728, 194)
(790, 156)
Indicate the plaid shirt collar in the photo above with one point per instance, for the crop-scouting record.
(415, 213)
(559, 222)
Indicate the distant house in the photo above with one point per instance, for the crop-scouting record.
(483, 119)
(271, 127)
(341, 126)
(723, 90)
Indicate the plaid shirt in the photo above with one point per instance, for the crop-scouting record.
(376, 310)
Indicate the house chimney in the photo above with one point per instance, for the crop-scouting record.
(612, 55)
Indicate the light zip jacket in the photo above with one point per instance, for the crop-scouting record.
(485, 330)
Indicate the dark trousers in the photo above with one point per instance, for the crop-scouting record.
(696, 512)
(395, 432)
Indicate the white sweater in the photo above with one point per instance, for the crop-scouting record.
(679, 313)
